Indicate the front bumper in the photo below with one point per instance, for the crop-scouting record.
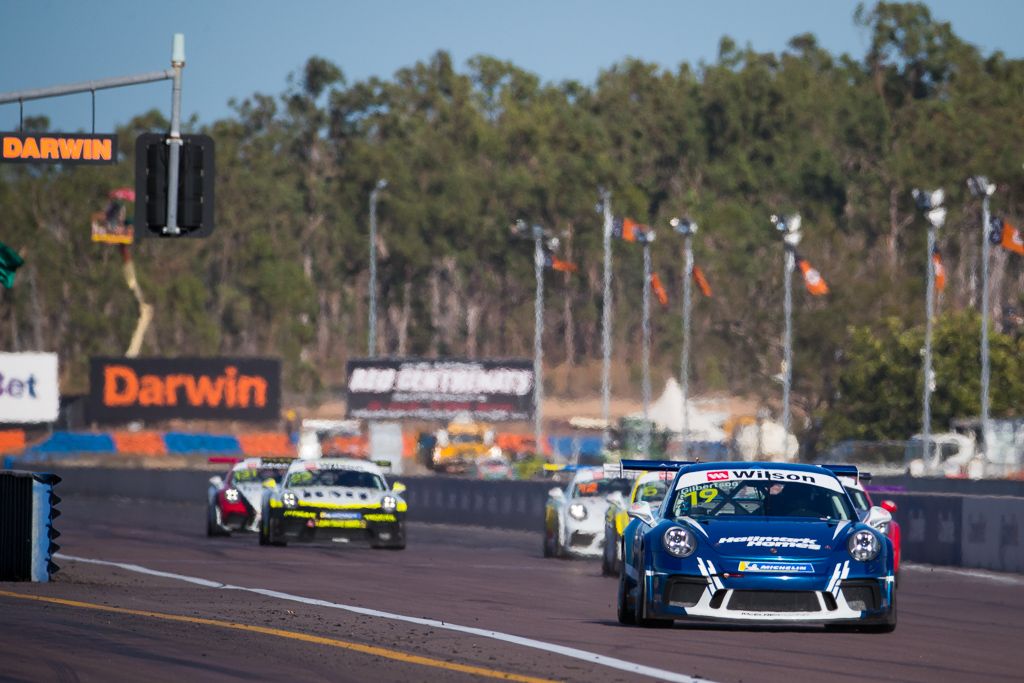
(372, 526)
(583, 538)
(834, 598)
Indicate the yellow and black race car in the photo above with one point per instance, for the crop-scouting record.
(650, 487)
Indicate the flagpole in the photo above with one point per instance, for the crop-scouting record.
(686, 228)
(538, 334)
(930, 202)
(645, 442)
(606, 316)
(979, 185)
(790, 229)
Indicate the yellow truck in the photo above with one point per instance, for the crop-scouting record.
(462, 443)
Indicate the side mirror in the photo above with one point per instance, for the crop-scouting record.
(216, 482)
(876, 517)
(615, 498)
(397, 487)
(888, 506)
(556, 493)
(270, 483)
(642, 511)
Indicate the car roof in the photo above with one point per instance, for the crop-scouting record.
(351, 464)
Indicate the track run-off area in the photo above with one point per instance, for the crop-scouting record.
(143, 594)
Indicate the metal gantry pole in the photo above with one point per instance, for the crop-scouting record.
(985, 368)
(787, 341)
(606, 315)
(371, 332)
(645, 441)
(684, 365)
(926, 413)
(174, 138)
(538, 335)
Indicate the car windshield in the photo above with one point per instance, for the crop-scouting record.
(750, 498)
(600, 487)
(860, 499)
(254, 475)
(466, 438)
(344, 478)
(653, 492)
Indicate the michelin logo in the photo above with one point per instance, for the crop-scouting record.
(773, 542)
(776, 567)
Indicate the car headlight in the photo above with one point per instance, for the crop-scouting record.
(231, 495)
(679, 542)
(578, 511)
(289, 499)
(389, 503)
(864, 546)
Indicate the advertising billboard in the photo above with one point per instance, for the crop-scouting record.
(126, 389)
(394, 388)
(29, 388)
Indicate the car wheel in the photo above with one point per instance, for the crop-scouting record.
(549, 546)
(608, 556)
(640, 606)
(625, 612)
(212, 527)
(888, 626)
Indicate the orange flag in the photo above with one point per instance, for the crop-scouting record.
(702, 282)
(1011, 239)
(940, 271)
(815, 283)
(555, 263)
(659, 289)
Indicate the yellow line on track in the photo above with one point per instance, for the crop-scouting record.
(293, 635)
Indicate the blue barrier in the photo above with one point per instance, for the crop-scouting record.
(219, 444)
(74, 442)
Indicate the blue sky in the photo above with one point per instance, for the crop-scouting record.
(236, 47)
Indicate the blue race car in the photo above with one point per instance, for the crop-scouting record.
(755, 543)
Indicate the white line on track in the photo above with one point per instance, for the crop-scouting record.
(591, 657)
(994, 577)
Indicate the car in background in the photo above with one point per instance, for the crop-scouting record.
(461, 444)
(650, 487)
(234, 500)
(879, 516)
(574, 515)
(492, 468)
(755, 543)
(334, 499)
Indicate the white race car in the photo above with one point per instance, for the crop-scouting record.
(574, 516)
(334, 499)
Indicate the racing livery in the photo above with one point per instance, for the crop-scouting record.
(755, 543)
(648, 486)
(336, 499)
(574, 516)
(234, 501)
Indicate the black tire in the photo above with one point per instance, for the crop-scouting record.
(549, 542)
(624, 610)
(264, 532)
(640, 606)
(608, 555)
(888, 626)
(212, 528)
(398, 544)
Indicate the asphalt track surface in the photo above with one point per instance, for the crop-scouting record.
(100, 622)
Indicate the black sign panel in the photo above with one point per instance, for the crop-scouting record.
(392, 388)
(124, 389)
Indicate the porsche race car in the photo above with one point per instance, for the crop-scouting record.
(574, 515)
(234, 500)
(648, 486)
(879, 516)
(334, 499)
(751, 543)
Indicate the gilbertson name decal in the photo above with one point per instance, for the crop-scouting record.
(773, 542)
(61, 148)
(123, 386)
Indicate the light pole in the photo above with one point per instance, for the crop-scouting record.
(645, 439)
(536, 233)
(371, 337)
(686, 228)
(930, 203)
(790, 229)
(981, 187)
(606, 315)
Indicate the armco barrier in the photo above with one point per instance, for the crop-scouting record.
(942, 529)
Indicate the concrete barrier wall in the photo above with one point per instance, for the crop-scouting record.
(941, 529)
(966, 487)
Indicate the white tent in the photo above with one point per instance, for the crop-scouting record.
(667, 413)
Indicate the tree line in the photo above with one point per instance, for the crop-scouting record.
(839, 138)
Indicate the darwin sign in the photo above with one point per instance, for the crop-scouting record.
(125, 389)
(395, 388)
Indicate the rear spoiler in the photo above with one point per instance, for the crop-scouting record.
(620, 469)
(223, 460)
(382, 463)
(555, 467)
(848, 471)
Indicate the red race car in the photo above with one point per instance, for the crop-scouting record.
(879, 516)
(234, 501)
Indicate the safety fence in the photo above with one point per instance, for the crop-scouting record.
(941, 529)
